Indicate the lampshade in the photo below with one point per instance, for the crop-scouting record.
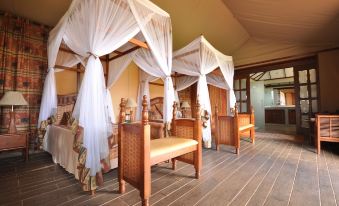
(185, 104)
(131, 103)
(13, 98)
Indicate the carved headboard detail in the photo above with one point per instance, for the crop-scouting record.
(156, 108)
(65, 104)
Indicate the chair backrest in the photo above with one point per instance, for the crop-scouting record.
(184, 127)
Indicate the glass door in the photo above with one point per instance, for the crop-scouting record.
(307, 98)
(242, 93)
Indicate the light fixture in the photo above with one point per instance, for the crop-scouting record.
(12, 98)
(185, 106)
(131, 104)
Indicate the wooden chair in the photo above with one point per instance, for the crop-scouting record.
(327, 129)
(137, 152)
(229, 129)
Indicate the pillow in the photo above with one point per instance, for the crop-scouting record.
(73, 125)
(65, 117)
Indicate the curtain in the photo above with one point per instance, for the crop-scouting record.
(23, 60)
(227, 69)
(143, 89)
(182, 83)
(158, 34)
(198, 59)
(145, 60)
(116, 68)
(82, 35)
(217, 81)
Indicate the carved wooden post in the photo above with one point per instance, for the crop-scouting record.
(236, 131)
(216, 127)
(144, 110)
(122, 116)
(145, 171)
(174, 117)
(173, 128)
(198, 136)
(252, 121)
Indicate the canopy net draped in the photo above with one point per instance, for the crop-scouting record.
(197, 60)
(93, 28)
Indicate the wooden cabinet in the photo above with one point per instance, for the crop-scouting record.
(291, 116)
(275, 116)
(15, 142)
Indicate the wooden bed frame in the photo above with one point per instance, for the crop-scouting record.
(137, 152)
(229, 129)
(327, 129)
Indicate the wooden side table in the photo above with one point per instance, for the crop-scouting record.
(15, 142)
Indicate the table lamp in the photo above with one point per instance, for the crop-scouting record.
(130, 105)
(184, 107)
(12, 98)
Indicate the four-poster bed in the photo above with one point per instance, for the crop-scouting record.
(120, 21)
(76, 40)
(197, 60)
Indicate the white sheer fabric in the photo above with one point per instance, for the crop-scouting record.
(182, 83)
(146, 61)
(198, 59)
(90, 110)
(92, 28)
(217, 81)
(158, 34)
(116, 68)
(143, 89)
(49, 100)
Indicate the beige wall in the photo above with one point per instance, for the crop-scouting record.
(125, 87)
(66, 82)
(329, 80)
(156, 90)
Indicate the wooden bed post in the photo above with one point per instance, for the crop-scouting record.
(145, 191)
(236, 131)
(318, 142)
(216, 126)
(197, 135)
(122, 116)
(173, 128)
(252, 131)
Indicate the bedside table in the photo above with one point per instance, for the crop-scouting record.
(15, 142)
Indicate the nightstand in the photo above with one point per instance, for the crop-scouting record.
(15, 142)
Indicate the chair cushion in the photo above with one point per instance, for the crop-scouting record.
(244, 127)
(170, 145)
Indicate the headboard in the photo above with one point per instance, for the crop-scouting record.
(65, 104)
(156, 108)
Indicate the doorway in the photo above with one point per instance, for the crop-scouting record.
(273, 100)
(285, 96)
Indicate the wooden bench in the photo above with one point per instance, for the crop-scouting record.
(327, 129)
(229, 129)
(137, 152)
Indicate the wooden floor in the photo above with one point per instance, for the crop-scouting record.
(275, 171)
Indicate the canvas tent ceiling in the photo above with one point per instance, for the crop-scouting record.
(250, 31)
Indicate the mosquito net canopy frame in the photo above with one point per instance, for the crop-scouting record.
(197, 60)
(93, 28)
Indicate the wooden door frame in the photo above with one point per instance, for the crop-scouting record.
(297, 64)
(297, 92)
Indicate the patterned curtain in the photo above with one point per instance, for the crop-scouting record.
(23, 64)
